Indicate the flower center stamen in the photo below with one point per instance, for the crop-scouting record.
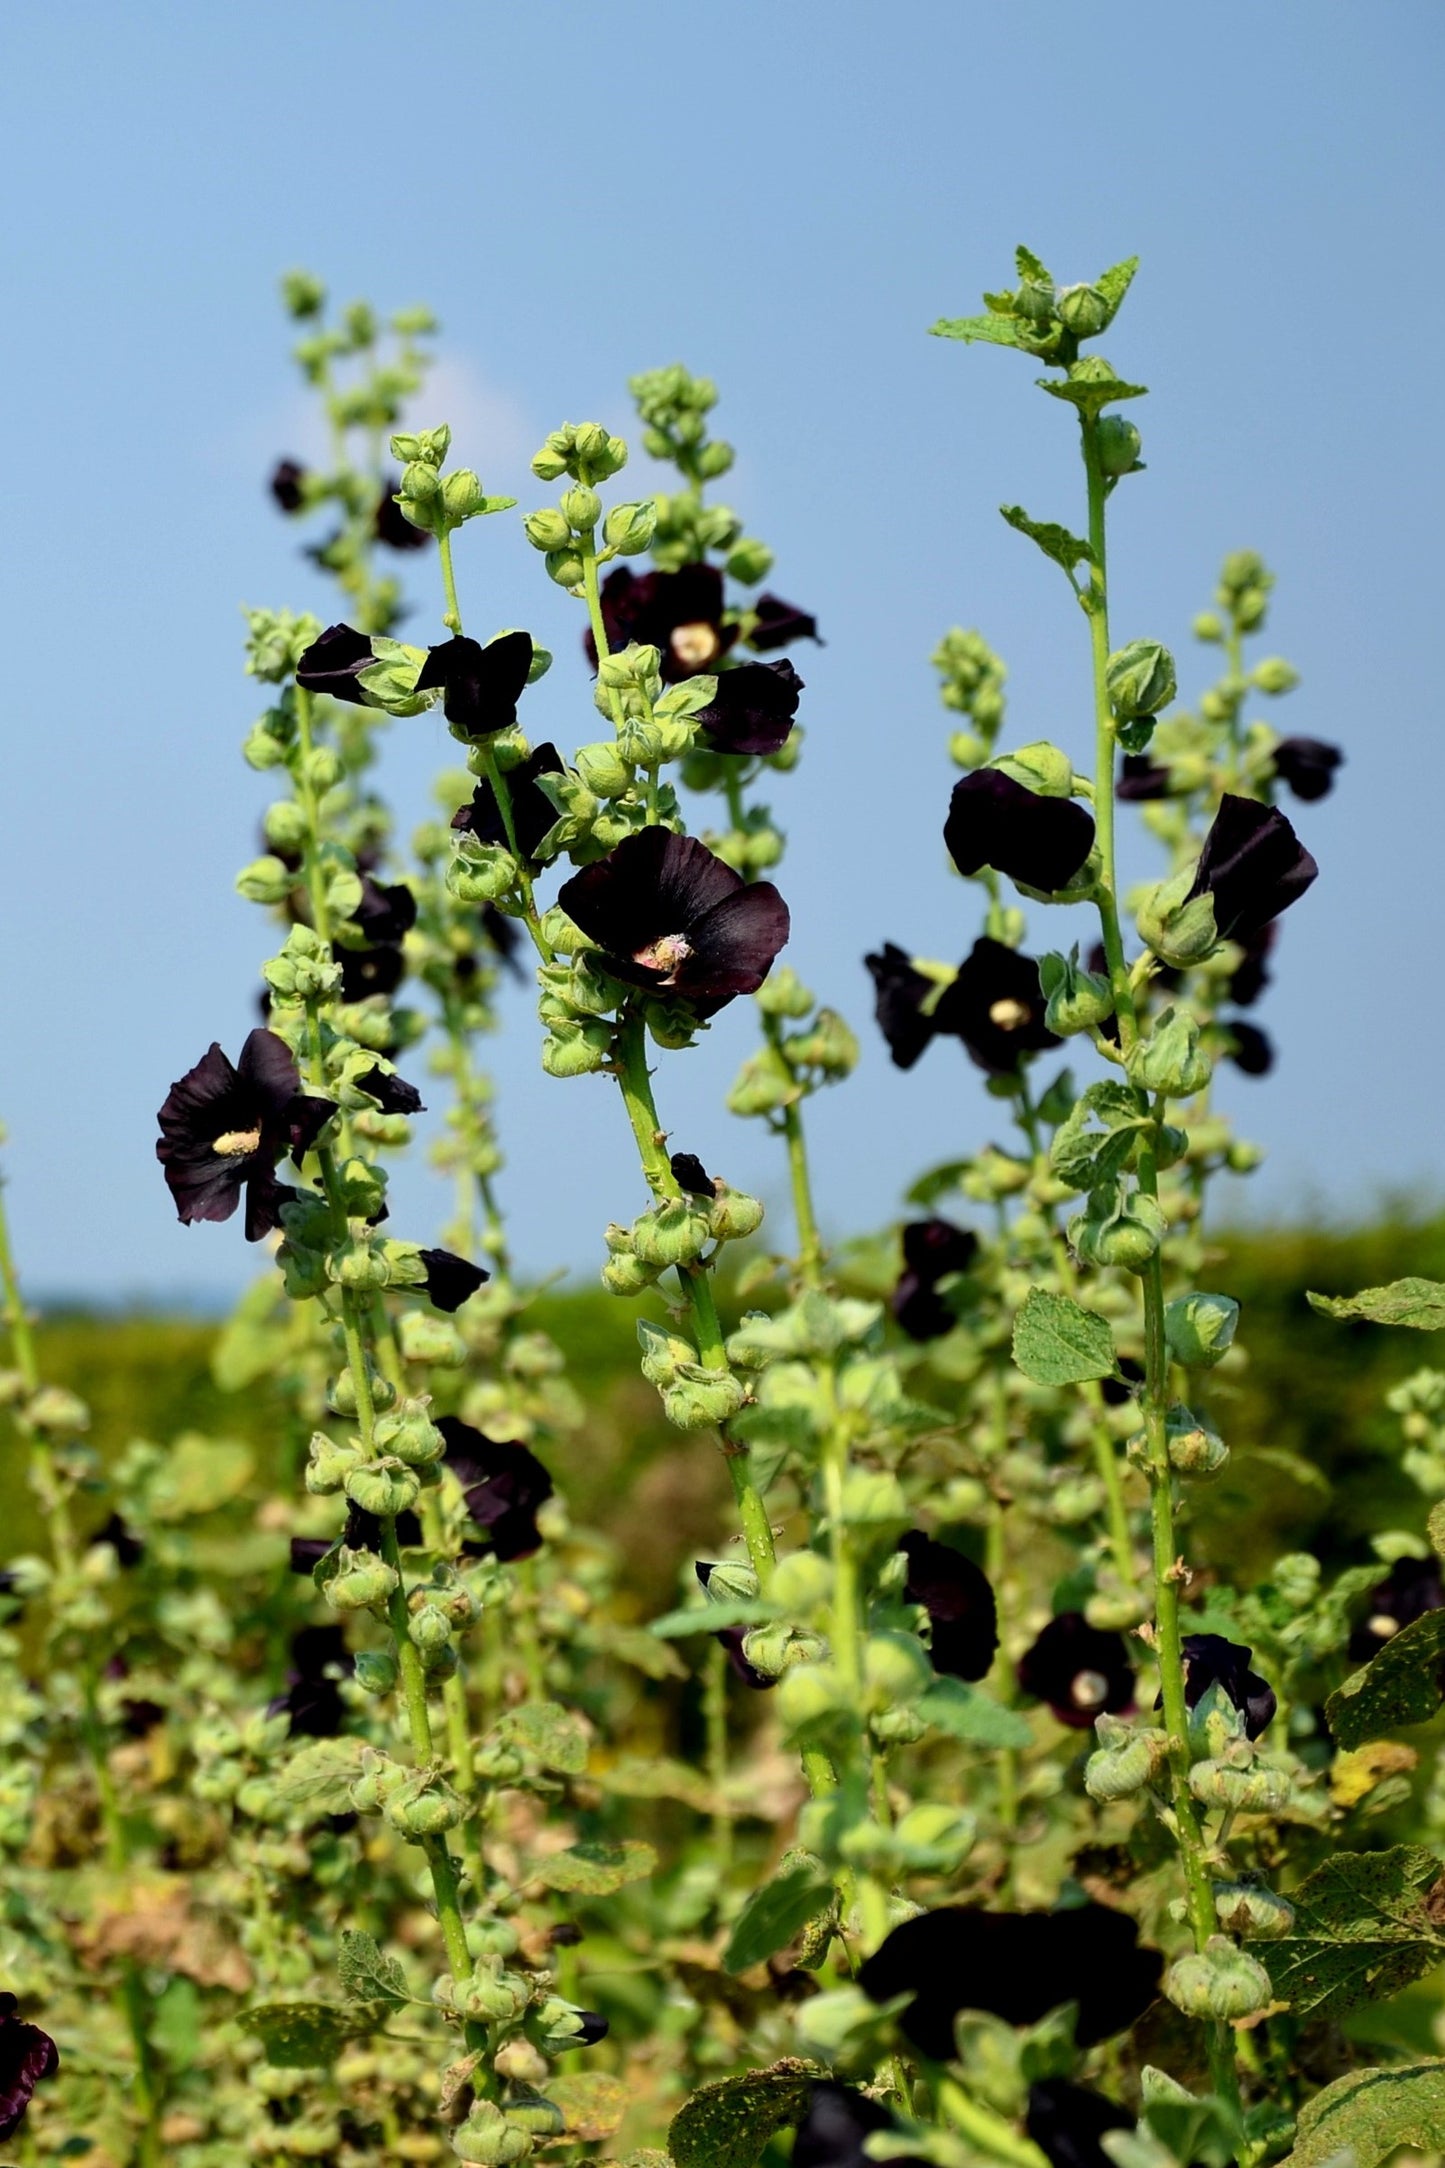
(236, 1143)
(1382, 1626)
(665, 954)
(695, 645)
(1008, 1014)
(1089, 1690)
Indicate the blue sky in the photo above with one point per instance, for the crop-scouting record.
(784, 197)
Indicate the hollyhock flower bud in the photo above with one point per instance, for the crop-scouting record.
(1141, 679)
(811, 1694)
(581, 508)
(1077, 1000)
(410, 1435)
(802, 1583)
(603, 770)
(1121, 1770)
(674, 1232)
(361, 1582)
(702, 1398)
(576, 1047)
(896, 1669)
(1083, 310)
(1119, 444)
(1220, 1981)
(1178, 923)
(547, 530)
(1209, 1660)
(1200, 1329)
(629, 528)
(628, 1275)
(385, 1487)
(1171, 1059)
(429, 1628)
(727, 1581)
(732, 1216)
(1121, 1227)
(329, 1465)
(376, 1671)
(1253, 1912)
(427, 1815)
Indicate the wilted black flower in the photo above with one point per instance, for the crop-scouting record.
(533, 812)
(287, 478)
(996, 1006)
(1079, 1670)
(1018, 1965)
(503, 1485)
(932, 1249)
(959, 1602)
(123, 1540)
(450, 1279)
(333, 664)
(1412, 1587)
(671, 917)
(1253, 865)
(480, 685)
(362, 1532)
(1067, 2121)
(1210, 1660)
(27, 2057)
(753, 708)
(368, 971)
(679, 613)
(385, 912)
(1251, 975)
(690, 1174)
(778, 623)
(900, 990)
(1307, 765)
(391, 1092)
(312, 1700)
(731, 1638)
(392, 525)
(1249, 1049)
(223, 1129)
(994, 821)
(1140, 779)
(832, 2132)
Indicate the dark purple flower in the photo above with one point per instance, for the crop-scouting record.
(503, 1485)
(994, 821)
(591, 2027)
(959, 1602)
(362, 1532)
(450, 1279)
(932, 1250)
(1210, 1660)
(368, 971)
(505, 937)
(679, 613)
(1412, 1587)
(778, 623)
(223, 1129)
(690, 1174)
(996, 1006)
(385, 912)
(1117, 1390)
(832, 2132)
(391, 1092)
(392, 525)
(671, 917)
(731, 1638)
(334, 662)
(1079, 1670)
(1067, 2121)
(123, 1540)
(27, 2057)
(312, 1700)
(533, 812)
(753, 708)
(480, 685)
(1253, 865)
(1140, 779)
(1308, 766)
(900, 990)
(1251, 975)
(1018, 1965)
(286, 485)
(1249, 1049)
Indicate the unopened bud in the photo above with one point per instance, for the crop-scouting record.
(732, 1217)
(1078, 1000)
(426, 1815)
(1081, 309)
(361, 1582)
(1140, 678)
(547, 529)
(384, 1487)
(565, 567)
(581, 508)
(1171, 1060)
(629, 528)
(1200, 1329)
(674, 1232)
(1219, 1981)
(701, 1398)
(1255, 1789)
(1119, 444)
(1251, 1911)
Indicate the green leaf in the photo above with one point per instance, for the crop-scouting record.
(774, 1914)
(727, 2124)
(198, 1475)
(1087, 1157)
(1366, 1925)
(1114, 283)
(596, 1870)
(964, 1712)
(985, 330)
(1056, 542)
(391, 678)
(1399, 1686)
(1057, 1343)
(1420, 1303)
(319, 1776)
(302, 2035)
(1031, 267)
(367, 1973)
(938, 1181)
(711, 1618)
(1369, 2114)
(634, 1646)
(551, 1734)
(594, 2104)
(658, 1776)
(1435, 1528)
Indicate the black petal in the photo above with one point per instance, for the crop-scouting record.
(679, 613)
(732, 1638)
(1140, 780)
(450, 1279)
(481, 685)
(1067, 2121)
(1080, 1670)
(362, 1531)
(285, 484)
(123, 1540)
(533, 812)
(778, 623)
(333, 664)
(960, 1605)
(392, 525)
(690, 1174)
(899, 992)
(832, 2132)
(1250, 1051)
(1210, 1660)
(367, 971)
(996, 1006)
(1253, 865)
(919, 1309)
(385, 913)
(591, 2027)
(753, 708)
(503, 1484)
(1251, 977)
(1308, 766)
(933, 1247)
(718, 935)
(391, 1092)
(27, 2057)
(995, 821)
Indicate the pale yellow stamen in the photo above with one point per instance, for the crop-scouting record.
(665, 954)
(1090, 1690)
(236, 1143)
(1382, 1626)
(1009, 1014)
(695, 645)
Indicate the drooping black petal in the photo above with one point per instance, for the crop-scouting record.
(391, 1092)
(668, 914)
(307, 1552)
(1067, 2121)
(591, 2027)
(285, 485)
(1249, 1050)
(1251, 976)
(960, 1605)
(333, 664)
(368, 971)
(1308, 766)
(679, 613)
(27, 2057)
(1018, 1965)
(450, 1279)
(1080, 1670)
(385, 912)
(503, 1485)
(392, 525)
(996, 1006)
(123, 1540)
(934, 1247)
(995, 821)
(1253, 865)
(480, 685)
(1117, 1390)
(832, 2132)
(753, 708)
(312, 1698)
(899, 992)
(690, 1174)
(731, 1638)
(1211, 1660)
(1140, 780)
(362, 1531)
(1412, 1587)
(919, 1309)
(533, 812)
(779, 623)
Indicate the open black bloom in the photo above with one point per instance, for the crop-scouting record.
(367, 971)
(1067, 2121)
(123, 1540)
(1249, 1048)
(932, 1249)
(1018, 1965)
(391, 1092)
(996, 1006)
(753, 708)
(1079, 1670)
(1308, 766)
(333, 664)
(899, 991)
(391, 524)
(450, 1279)
(27, 2057)
(533, 812)
(1412, 1587)
(320, 1659)
(832, 2132)
(223, 1130)
(1140, 779)
(671, 917)
(1253, 865)
(994, 821)
(285, 485)
(1210, 1660)
(679, 613)
(690, 1174)
(779, 623)
(386, 910)
(480, 685)
(503, 1485)
(731, 1638)
(960, 1605)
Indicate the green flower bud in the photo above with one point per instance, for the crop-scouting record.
(547, 529)
(264, 880)
(385, 1487)
(376, 1671)
(576, 1047)
(329, 1465)
(1082, 310)
(1120, 1227)
(286, 825)
(1171, 1060)
(1078, 1000)
(674, 1232)
(702, 1398)
(462, 496)
(1119, 444)
(896, 1669)
(1180, 932)
(1207, 627)
(581, 508)
(358, 1265)
(1034, 302)
(829, 1047)
(1119, 1771)
(427, 1339)
(783, 993)
(1219, 1981)
(810, 1694)
(603, 770)
(1256, 1789)
(486, 2138)
(361, 1582)
(565, 567)
(1274, 675)
(420, 497)
(1249, 1910)
(1041, 767)
(731, 1582)
(427, 1814)
(629, 528)
(1140, 678)
(802, 1583)
(1199, 1329)
(966, 750)
(732, 1217)
(993, 1175)
(663, 1353)
(411, 1436)
(749, 561)
(764, 1085)
(872, 1498)
(56, 1413)
(1194, 1449)
(429, 1628)
(628, 1275)
(483, 874)
(430, 446)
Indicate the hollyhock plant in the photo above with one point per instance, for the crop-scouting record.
(671, 917)
(900, 990)
(996, 1006)
(778, 624)
(1308, 766)
(533, 812)
(480, 686)
(27, 2057)
(223, 1129)
(1253, 865)
(1081, 1671)
(962, 1613)
(503, 1484)
(995, 821)
(1211, 1660)
(752, 710)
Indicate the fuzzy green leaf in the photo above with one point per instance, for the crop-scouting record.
(659, 1776)
(1032, 267)
(938, 1181)
(775, 1913)
(1368, 2114)
(1366, 1925)
(711, 1618)
(1402, 1685)
(367, 1973)
(1114, 283)
(301, 2035)
(551, 1734)
(1057, 1343)
(319, 1776)
(1056, 542)
(987, 330)
(1420, 1303)
(1086, 1157)
(199, 1475)
(596, 1870)
(727, 2124)
(593, 2102)
(965, 1712)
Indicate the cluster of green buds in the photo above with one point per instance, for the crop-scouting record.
(439, 502)
(971, 684)
(791, 1065)
(672, 405)
(686, 1230)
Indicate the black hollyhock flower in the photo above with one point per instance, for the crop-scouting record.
(392, 525)
(994, 821)
(1067, 2121)
(690, 1174)
(779, 623)
(900, 990)
(368, 971)
(996, 1006)
(312, 1698)
(1253, 865)
(591, 2027)
(285, 485)
(333, 664)
(27, 2057)
(1017, 1965)
(671, 917)
(480, 685)
(503, 1485)
(1249, 1049)
(1412, 1587)
(385, 913)
(450, 1279)
(1210, 1660)
(123, 1540)
(533, 812)
(392, 1093)
(223, 1129)
(1308, 766)
(1251, 975)
(1116, 1390)
(679, 613)
(1079, 1670)
(731, 1638)
(1140, 779)
(932, 1249)
(752, 710)
(959, 1602)
(361, 1533)
(832, 2132)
